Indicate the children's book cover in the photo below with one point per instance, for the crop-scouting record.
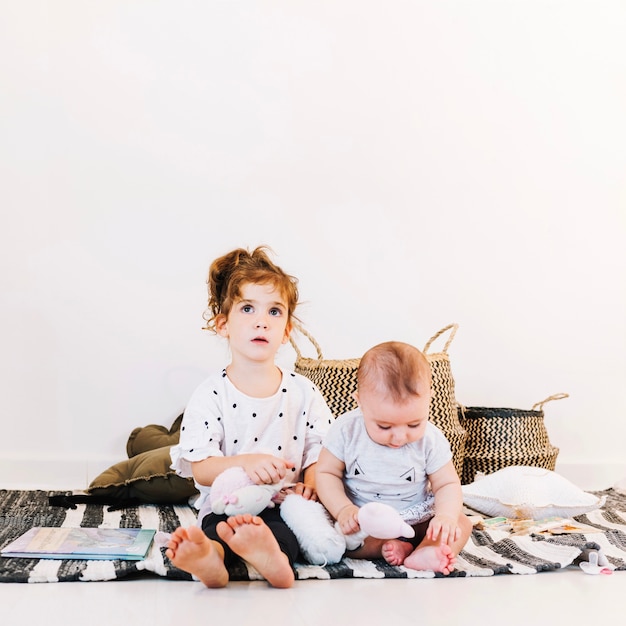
(81, 543)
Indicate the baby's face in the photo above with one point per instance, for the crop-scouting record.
(394, 424)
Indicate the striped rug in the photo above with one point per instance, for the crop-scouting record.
(487, 553)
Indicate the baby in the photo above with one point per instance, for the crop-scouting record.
(387, 451)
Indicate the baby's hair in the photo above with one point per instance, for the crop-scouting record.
(230, 272)
(397, 370)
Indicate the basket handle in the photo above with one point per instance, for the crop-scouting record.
(454, 328)
(556, 396)
(301, 329)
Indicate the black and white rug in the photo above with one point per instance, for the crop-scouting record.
(487, 553)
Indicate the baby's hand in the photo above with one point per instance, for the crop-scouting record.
(443, 527)
(348, 519)
(265, 469)
(307, 492)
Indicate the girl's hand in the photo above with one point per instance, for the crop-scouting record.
(265, 469)
(443, 527)
(348, 520)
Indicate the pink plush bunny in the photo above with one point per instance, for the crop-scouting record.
(233, 492)
(380, 521)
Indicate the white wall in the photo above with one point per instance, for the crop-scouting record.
(414, 163)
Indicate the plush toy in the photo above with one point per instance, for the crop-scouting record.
(233, 492)
(309, 521)
(377, 520)
(321, 542)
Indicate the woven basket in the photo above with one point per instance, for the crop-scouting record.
(336, 379)
(498, 438)
(443, 406)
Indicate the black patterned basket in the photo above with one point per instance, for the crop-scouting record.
(336, 380)
(443, 406)
(501, 437)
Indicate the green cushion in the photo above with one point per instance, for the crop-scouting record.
(146, 475)
(153, 436)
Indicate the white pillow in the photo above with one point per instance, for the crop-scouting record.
(528, 493)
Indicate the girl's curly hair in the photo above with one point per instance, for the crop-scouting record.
(231, 271)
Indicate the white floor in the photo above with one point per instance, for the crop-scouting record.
(569, 597)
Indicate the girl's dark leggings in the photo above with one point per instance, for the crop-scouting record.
(284, 536)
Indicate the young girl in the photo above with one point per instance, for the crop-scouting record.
(252, 415)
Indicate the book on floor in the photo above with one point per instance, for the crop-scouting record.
(128, 544)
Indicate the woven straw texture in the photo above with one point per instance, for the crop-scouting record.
(500, 437)
(336, 380)
(443, 405)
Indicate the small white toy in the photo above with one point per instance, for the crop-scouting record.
(319, 542)
(322, 542)
(597, 564)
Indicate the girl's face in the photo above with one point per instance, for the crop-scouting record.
(394, 424)
(258, 323)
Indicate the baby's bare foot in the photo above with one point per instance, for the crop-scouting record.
(395, 551)
(434, 558)
(253, 541)
(192, 551)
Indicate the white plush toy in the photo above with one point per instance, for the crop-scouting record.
(321, 541)
(233, 492)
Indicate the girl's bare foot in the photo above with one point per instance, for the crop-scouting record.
(436, 558)
(250, 538)
(192, 551)
(395, 551)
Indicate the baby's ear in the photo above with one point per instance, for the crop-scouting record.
(355, 395)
